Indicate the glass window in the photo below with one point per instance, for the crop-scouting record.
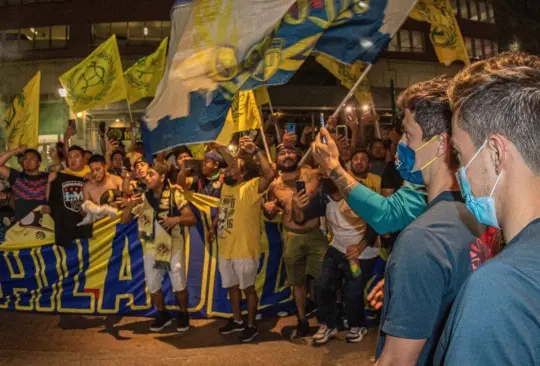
(405, 41)
(417, 41)
(132, 33)
(478, 49)
(100, 32)
(468, 45)
(42, 38)
(491, 12)
(59, 36)
(488, 52)
(454, 7)
(473, 10)
(464, 9)
(495, 48)
(482, 11)
(121, 31)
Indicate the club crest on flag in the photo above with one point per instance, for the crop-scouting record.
(73, 195)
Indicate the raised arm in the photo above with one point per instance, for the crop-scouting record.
(4, 158)
(268, 173)
(384, 215)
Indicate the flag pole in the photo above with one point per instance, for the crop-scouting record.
(341, 105)
(278, 137)
(263, 135)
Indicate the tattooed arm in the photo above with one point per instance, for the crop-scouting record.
(343, 180)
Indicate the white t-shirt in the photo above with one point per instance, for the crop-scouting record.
(347, 227)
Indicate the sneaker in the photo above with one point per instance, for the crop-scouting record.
(311, 308)
(162, 320)
(324, 334)
(356, 334)
(302, 329)
(232, 327)
(249, 334)
(183, 322)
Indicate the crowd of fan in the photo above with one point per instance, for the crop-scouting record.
(338, 211)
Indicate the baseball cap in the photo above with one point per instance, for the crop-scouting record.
(213, 155)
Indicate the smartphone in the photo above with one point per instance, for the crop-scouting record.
(194, 165)
(291, 128)
(342, 130)
(300, 186)
(323, 124)
(72, 124)
(235, 139)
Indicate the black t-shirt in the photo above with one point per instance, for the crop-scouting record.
(29, 191)
(391, 178)
(65, 200)
(7, 219)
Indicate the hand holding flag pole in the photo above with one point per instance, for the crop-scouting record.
(340, 106)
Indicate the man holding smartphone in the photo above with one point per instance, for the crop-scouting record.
(207, 175)
(304, 245)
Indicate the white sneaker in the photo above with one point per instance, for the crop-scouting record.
(323, 335)
(356, 334)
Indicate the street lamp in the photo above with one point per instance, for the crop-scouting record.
(365, 107)
(79, 115)
(62, 92)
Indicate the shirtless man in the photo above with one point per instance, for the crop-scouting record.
(100, 181)
(304, 245)
(102, 192)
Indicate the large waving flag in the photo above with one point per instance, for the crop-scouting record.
(143, 77)
(348, 75)
(445, 34)
(230, 45)
(22, 116)
(97, 80)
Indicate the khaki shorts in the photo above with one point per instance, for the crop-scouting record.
(241, 272)
(303, 254)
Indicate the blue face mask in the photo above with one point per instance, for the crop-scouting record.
(406, 160)
(483, 208)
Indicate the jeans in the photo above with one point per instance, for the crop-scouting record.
(336, 274)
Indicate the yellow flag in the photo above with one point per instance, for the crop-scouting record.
(22, 116)
(262, 96)
(348, 75)
(445, 34)
(143, 77)
(244, 115)
(96, 81)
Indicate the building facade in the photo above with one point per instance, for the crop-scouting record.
(54, 35)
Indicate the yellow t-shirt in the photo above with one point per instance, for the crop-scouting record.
(239, 229)
(372, 181)
(79, 174)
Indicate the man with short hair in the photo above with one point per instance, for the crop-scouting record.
(377, 149)
(496, 318)
(435, 254)
(76, 162)
(360, 166)
(100, 182)
(238, 232)
(29, 187)
(117, 163)
(304, 244)
(7, 214)
(162, 213)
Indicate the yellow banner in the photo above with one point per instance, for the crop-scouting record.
(96, 81)
(262, 96)
(142, 79)
(244, 115)
(22, 116)
(445, 34)
(348, 75)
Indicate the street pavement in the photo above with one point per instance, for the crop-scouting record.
(41, 339)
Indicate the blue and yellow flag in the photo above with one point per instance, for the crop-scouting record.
(22, 117)
(143, 77)
(232, 45)
(97, 80)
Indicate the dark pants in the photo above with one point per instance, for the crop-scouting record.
(335, 273)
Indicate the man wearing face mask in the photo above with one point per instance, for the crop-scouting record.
(496, 317)
(238, 232)
(434, 255)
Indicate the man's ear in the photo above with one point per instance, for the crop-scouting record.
(498, 149)
(444, 144)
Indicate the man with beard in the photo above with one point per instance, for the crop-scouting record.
(378, 153)
(360, 165)
(239, 232)
(304, 245)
